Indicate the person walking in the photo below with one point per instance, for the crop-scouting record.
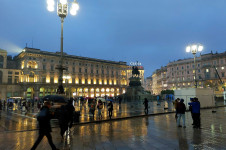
(99, 107)
(175, 106)
(196, 112)
(44, 126)
(181, 113)
(110, 109)
(66, 117)
(145, 106)
(92, 107)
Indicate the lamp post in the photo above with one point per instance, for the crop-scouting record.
(62, 11)
(194, 48)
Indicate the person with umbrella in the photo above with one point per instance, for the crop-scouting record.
(110, 108)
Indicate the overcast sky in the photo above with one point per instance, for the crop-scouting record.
(152, 32)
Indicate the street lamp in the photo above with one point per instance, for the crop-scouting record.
(62, 11)
(194, 48)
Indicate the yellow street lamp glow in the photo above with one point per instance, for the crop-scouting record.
(63, 2)
(188, 49)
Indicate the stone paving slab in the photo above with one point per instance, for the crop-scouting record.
(143, 133)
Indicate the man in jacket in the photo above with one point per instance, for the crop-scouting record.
(181, 113)
(196, 112)
(45, 127)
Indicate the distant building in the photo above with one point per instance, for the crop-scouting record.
(181, 73)
(33, 74)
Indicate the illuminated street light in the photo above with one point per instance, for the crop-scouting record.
(62, 11)
(194, 48)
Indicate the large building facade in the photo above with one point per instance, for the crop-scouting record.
(33, 74)
(210, 69)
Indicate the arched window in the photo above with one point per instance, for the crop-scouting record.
(1, 61)
(32, 64)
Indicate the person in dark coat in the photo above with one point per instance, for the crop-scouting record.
(196, 112)
(45, 127)
(145, 105)
(190, 109)
(181, 113)
(110, 109)
(66, 117)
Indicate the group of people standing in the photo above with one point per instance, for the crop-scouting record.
(100, 106)
(194, 107)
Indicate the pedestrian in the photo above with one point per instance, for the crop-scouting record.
(4, 103)
(66, 117)
(0, 104)
(99, 107)
(110, 109)
(196, 112)
(181, 113)
(92, 107)
(44, 126)
(175, 106)
(120, 100)
(190, 109)
(145, 105)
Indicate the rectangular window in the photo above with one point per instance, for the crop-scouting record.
(102, 81)
(9, 79)
(91, 81)
(73, 69)
(112, 72)
(91, 70)
(51, 79)
(17, 73)
(199, 70)
(102, 71)
(80, 81)
(97, 81)
(80, 70)
(43, 79)
(10, 72)
(16, 80)
(86, 81)
(177, 68)
(85, 70)
(207, 70)
(187, 67)
(187, 72)
(182, 67)
(97, 71)
(52, 68)
(73, 80)
(216, 75)
(222, 61)
(222, 74)
(112, 82)
(44, 67)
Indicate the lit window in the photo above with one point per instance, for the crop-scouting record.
(207, 70)
(222, 68)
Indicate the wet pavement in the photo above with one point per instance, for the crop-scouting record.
(17, 120)
(147, 132)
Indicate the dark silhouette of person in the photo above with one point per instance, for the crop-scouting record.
(145, 106)
(45, 127)
(110, 109)
(66, 117)
(196, 112)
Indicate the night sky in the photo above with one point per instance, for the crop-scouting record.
(152, 32)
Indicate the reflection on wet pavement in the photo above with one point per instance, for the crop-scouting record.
(143, 133)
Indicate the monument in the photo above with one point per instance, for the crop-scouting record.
(135, 91)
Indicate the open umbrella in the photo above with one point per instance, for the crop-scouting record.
(109, 100)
